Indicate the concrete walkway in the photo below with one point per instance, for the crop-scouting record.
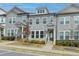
(53, 51)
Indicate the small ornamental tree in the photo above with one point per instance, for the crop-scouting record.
(26, 30)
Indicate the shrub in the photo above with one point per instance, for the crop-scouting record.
(8, 38)
(37, 42)
(73, 43)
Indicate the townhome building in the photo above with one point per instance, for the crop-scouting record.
(43, 25)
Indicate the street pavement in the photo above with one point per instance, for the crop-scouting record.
(12, 53)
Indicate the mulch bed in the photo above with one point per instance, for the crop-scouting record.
(74, 49)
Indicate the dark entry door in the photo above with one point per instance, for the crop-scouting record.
(52, 36)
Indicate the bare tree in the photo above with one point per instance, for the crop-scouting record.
(26, 30)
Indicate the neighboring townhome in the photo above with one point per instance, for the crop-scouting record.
(68, 23)
(13, 17)
(42, 25)
(2, 22)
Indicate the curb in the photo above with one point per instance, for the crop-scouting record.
(44, 51)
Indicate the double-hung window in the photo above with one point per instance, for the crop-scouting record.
(67, 19)
(61, 35)
(12, 20)
(41, 34)
(64, 20)
(61, 20)
(67, 34)
(8, 32)
(37, 21)
(32, 35)
(37, 34)
(30, 21)
(44, 21)
(76, 35)
(76, 19)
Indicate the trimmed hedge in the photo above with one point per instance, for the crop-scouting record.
(8, 38)
(73, 43)
(37, 42)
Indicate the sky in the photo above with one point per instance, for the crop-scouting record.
(30, 7)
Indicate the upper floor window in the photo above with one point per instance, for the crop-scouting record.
(44, 21)
(30, 21)
(12, 20)
(64, 20)
(37, 21)
(2, 19)
(41, 11)
(76, 19)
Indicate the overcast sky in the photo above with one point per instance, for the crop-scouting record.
(52, 7)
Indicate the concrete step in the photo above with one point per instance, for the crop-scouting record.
(48, 46)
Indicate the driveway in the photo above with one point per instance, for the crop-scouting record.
(12, 53)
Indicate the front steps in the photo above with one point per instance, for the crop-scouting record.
(48, 45)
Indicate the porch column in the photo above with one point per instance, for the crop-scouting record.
(54, 42)
(22, 33)
(0, 34)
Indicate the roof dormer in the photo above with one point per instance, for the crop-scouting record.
(41, 10)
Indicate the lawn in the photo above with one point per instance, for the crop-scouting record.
(27, 44)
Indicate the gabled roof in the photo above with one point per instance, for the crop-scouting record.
(17, 10)
(73, 8)
(2, 11)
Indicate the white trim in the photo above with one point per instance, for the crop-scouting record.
(54, 41)
(22, 33)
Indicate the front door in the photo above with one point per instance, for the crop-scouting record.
(52, 36)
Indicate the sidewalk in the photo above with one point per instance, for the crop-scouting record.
(41, 50)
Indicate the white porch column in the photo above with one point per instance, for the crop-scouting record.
(54, 42)
(34, 34)
(0, 34)
(22, 33)
(39, 34)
